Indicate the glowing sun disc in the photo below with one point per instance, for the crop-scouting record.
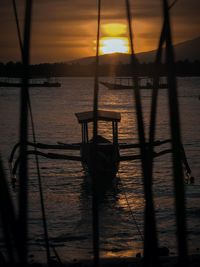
(109, 45)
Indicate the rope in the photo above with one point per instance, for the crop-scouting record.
(17, 24)
(172, 4)
(130, 209)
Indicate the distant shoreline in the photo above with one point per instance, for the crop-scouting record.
(45, 70)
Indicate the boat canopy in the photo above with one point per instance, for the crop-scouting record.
(103, 115)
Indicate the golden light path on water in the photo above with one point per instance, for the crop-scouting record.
(135, 201)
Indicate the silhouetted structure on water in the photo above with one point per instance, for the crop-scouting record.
(182, 68)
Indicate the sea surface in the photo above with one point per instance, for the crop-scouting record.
(66, 193)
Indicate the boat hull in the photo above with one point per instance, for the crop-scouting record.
(115, 86)
(44, 84)
(101, 162)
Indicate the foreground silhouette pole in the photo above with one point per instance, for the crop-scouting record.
(23, 168)
(95, 211)
(150, 234)
(176, 143)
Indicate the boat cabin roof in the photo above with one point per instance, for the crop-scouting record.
(103, 115)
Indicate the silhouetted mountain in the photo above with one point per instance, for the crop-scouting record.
(188, 50)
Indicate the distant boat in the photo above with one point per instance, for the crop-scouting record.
(32, 83)
(121, 83)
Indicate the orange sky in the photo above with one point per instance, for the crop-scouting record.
(64, 30)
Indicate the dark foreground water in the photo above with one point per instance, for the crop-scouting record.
(67, 195)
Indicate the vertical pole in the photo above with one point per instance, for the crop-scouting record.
(82, 131)
(176, 144)
(150, 235)
(116, 124)
(23, 168)
(86, 132)
(113, 131)
(95, 212)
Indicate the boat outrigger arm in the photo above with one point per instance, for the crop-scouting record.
(35, 151)
(14, 161)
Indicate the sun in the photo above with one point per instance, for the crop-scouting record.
(109, 45)
(113, 39)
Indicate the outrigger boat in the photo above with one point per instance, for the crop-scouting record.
(121, 83)
(19, 84)
(105, 152)
(32, 83)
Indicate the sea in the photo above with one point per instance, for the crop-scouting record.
(67, 194)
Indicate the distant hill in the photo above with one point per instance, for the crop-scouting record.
(188, 50)
(186, 54)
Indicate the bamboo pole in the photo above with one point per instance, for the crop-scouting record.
(176, 143)
(95, 207)
(23, 169)
(150, 235)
